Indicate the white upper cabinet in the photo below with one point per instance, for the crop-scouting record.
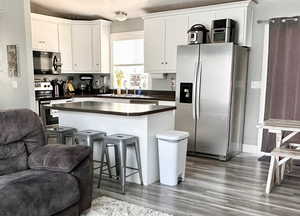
(154, 39)
(44, 36)
(162, 36)
(82, 48)
(105, 47)
(65, 47)
(96, 47)
(164, 31)
(175, 34)
(84, 45)
(101, 47)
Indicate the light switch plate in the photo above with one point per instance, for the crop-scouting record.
(14, 84)
(255, 84)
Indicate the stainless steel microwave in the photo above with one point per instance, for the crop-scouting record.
(46, 62)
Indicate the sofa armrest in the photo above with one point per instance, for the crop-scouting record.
(61, 158)
(84, 174)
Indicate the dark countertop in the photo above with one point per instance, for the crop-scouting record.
(122, 109)
(138, 97)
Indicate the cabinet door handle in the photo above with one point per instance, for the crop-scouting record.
(162, 63)
(166, 62)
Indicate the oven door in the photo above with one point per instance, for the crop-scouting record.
(46, 114)
(46, 62)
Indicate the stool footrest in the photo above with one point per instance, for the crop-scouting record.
(132, 168)
(133, 173)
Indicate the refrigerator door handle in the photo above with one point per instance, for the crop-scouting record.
(198, 81)
(194, 91)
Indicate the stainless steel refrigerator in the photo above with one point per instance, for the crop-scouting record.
(210, 97)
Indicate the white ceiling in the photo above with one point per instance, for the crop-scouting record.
(92, 9)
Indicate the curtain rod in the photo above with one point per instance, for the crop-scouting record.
(263, 21)
(295, 19)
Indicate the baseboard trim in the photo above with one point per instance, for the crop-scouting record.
(250, 149)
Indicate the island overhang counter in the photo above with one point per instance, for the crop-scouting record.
(142, 120)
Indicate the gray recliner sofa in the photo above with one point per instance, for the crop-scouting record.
(38, 179)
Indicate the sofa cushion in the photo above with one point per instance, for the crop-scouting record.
(58, 157)
(21, 132)
(13, 158)
(37, 193)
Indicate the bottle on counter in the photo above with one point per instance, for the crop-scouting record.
(139, 91)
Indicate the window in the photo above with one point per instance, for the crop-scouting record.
(128, 61)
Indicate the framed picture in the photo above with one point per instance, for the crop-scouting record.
(12, 61)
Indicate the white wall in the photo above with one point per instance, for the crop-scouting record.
(15, 29)
(265, 9)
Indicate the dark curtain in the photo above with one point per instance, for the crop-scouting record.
(283, 82)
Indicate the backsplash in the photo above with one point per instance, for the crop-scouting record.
(168, 83)
(76, 78)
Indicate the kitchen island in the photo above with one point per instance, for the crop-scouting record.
(141, 120)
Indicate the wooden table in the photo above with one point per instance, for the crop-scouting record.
(282, 153)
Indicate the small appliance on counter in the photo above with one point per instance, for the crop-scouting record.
(224, 31)
(197, 34)
(46, 63)
(58, 88)
(86, 84)
(99, 86)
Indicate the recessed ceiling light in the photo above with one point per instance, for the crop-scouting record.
(121, 16)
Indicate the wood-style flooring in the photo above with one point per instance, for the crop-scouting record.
(215, 188)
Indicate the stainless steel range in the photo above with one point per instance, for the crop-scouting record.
(43, 96)
(43, 89)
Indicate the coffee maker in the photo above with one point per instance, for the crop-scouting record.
(86, 83)
(58, 88)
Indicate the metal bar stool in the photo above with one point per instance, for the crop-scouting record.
(88, 138)
(121, 142)
(60, 133)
